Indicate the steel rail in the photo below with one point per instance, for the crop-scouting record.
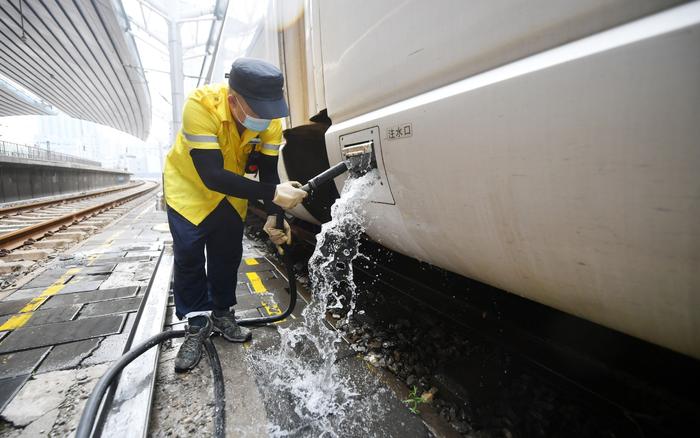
(17, 238)
(34, 205)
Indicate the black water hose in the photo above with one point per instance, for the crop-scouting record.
(217, 375)
(92, 406)
(325, 176)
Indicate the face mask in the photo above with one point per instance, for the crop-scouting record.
(253, 123)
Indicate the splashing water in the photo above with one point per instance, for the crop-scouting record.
(304, 365)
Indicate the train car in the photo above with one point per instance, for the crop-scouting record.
(550, 149)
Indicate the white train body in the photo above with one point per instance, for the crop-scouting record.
(550, 149)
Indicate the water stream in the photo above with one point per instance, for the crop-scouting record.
(303, 370)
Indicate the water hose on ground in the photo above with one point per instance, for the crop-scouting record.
(92, 407)
(217, 375)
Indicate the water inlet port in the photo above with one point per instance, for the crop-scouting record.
(360, 157)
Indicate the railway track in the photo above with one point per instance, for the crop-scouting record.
(27, 223)
(22, 207)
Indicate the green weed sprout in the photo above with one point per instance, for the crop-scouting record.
(413, 401)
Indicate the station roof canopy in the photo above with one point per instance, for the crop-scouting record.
(77, 56)
(13, 102)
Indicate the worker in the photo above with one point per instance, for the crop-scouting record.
(223, 126)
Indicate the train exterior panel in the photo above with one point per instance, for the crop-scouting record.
(378, 53)
(555, 157)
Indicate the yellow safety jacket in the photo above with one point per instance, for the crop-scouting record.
(207, 123)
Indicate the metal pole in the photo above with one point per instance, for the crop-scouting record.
(176, 75)
(160, 155)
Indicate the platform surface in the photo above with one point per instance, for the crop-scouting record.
(62, 328)
(260, 401)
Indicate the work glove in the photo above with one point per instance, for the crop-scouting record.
(288, 195)
(277, 236)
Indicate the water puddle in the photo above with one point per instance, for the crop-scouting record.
(306, 371)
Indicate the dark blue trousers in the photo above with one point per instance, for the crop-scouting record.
(221, 234)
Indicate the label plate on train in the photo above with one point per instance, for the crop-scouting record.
(398, 132)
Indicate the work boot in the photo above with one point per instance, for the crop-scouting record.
(225, 323)
(191, 350)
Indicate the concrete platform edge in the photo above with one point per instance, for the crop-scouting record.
(130, 409)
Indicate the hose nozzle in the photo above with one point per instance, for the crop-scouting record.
(359, 159)
(325, 176)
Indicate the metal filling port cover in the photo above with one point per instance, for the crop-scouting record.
(382, 192)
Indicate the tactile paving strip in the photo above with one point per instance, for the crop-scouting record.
(81, 286)
(46, 278)
(89, 296)
(21, 362)
(68, 355)
(82, 277)
(98, 269)
(124, 259)
(111, 306)
(26, 294)
(12, 306)
(51, 334)
(9, 387)
(47, 316)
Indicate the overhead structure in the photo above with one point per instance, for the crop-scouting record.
(193, 32)
(14, 102)
(77, 56)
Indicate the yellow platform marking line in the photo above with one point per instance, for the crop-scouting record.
(256, 282)
(271, 308)
(110, 240)
(26, 312)
(91, 259)
(259, 287)
(251, 262)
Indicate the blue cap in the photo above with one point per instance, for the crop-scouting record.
(260, 83)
